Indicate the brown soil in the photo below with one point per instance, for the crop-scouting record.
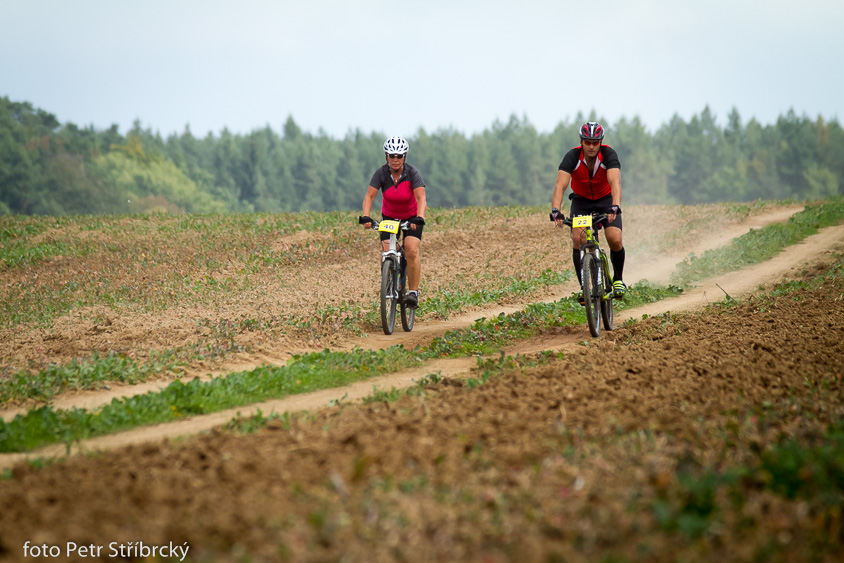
(509, 246)
(561, 461)
(470, 255)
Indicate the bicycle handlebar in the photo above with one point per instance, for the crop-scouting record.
(403, 225)
(597, 220)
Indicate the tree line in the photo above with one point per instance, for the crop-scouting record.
(50, 168)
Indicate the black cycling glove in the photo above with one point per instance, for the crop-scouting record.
(364, 220)
(556, 215)
(417, 220)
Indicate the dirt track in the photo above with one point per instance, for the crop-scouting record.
(452, 476)
(737, 284)
(448, 257)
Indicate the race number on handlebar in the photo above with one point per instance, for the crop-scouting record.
(581, 221)
(388, 226)
(586, 221)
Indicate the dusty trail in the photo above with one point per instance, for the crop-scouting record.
(738, 284)
(656, 269)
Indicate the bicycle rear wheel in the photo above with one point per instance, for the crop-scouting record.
(388, 296)
(592, 294)
(408, 314)
(607, 301)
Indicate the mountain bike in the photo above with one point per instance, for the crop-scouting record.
(394, 278)
(595, 280)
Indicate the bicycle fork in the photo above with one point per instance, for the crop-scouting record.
(395, 260)
(601, 261)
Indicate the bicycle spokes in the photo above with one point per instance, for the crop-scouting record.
(394, 278)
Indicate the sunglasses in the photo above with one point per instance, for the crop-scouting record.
(398, 156)
(591, 143)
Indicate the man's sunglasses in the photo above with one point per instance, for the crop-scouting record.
(398, 156)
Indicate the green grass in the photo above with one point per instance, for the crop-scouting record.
(486, 336)
(319, 370)
(29, 240)
(83, 374)
(247, 425)
(12, 255)
(759, 244)
(446, 303)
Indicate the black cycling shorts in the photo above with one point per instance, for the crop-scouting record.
(586, 206)
(415, 233)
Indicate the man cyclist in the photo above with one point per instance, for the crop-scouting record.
(403, 199)
(594, 171)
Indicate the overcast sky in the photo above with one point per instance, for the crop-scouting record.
(395, 66)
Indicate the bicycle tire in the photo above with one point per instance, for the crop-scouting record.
(608, 298)
(408, 314)
(592, 294)
(388, 301)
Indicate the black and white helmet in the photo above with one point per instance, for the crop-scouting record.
(396, 145)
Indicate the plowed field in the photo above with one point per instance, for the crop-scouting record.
(704, 430)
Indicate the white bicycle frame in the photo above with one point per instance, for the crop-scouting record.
(393, 252)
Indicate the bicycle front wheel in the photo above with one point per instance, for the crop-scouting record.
(608, 298)
(389, 296)
(592, 294)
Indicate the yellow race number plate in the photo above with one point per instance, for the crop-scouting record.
(582, 221)
(389, 226)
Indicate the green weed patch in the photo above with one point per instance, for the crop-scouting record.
(23, 241)
(486, 336)
(447, 303)
(759, 244)
(319, 370)
(83, 374)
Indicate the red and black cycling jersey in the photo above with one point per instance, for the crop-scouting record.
(591, 184)
(399, 201)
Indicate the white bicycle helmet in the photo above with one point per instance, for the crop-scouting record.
(396, 145)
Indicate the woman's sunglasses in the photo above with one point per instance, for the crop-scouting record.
(398, 156)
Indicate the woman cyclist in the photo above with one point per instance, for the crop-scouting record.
(403, 200)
